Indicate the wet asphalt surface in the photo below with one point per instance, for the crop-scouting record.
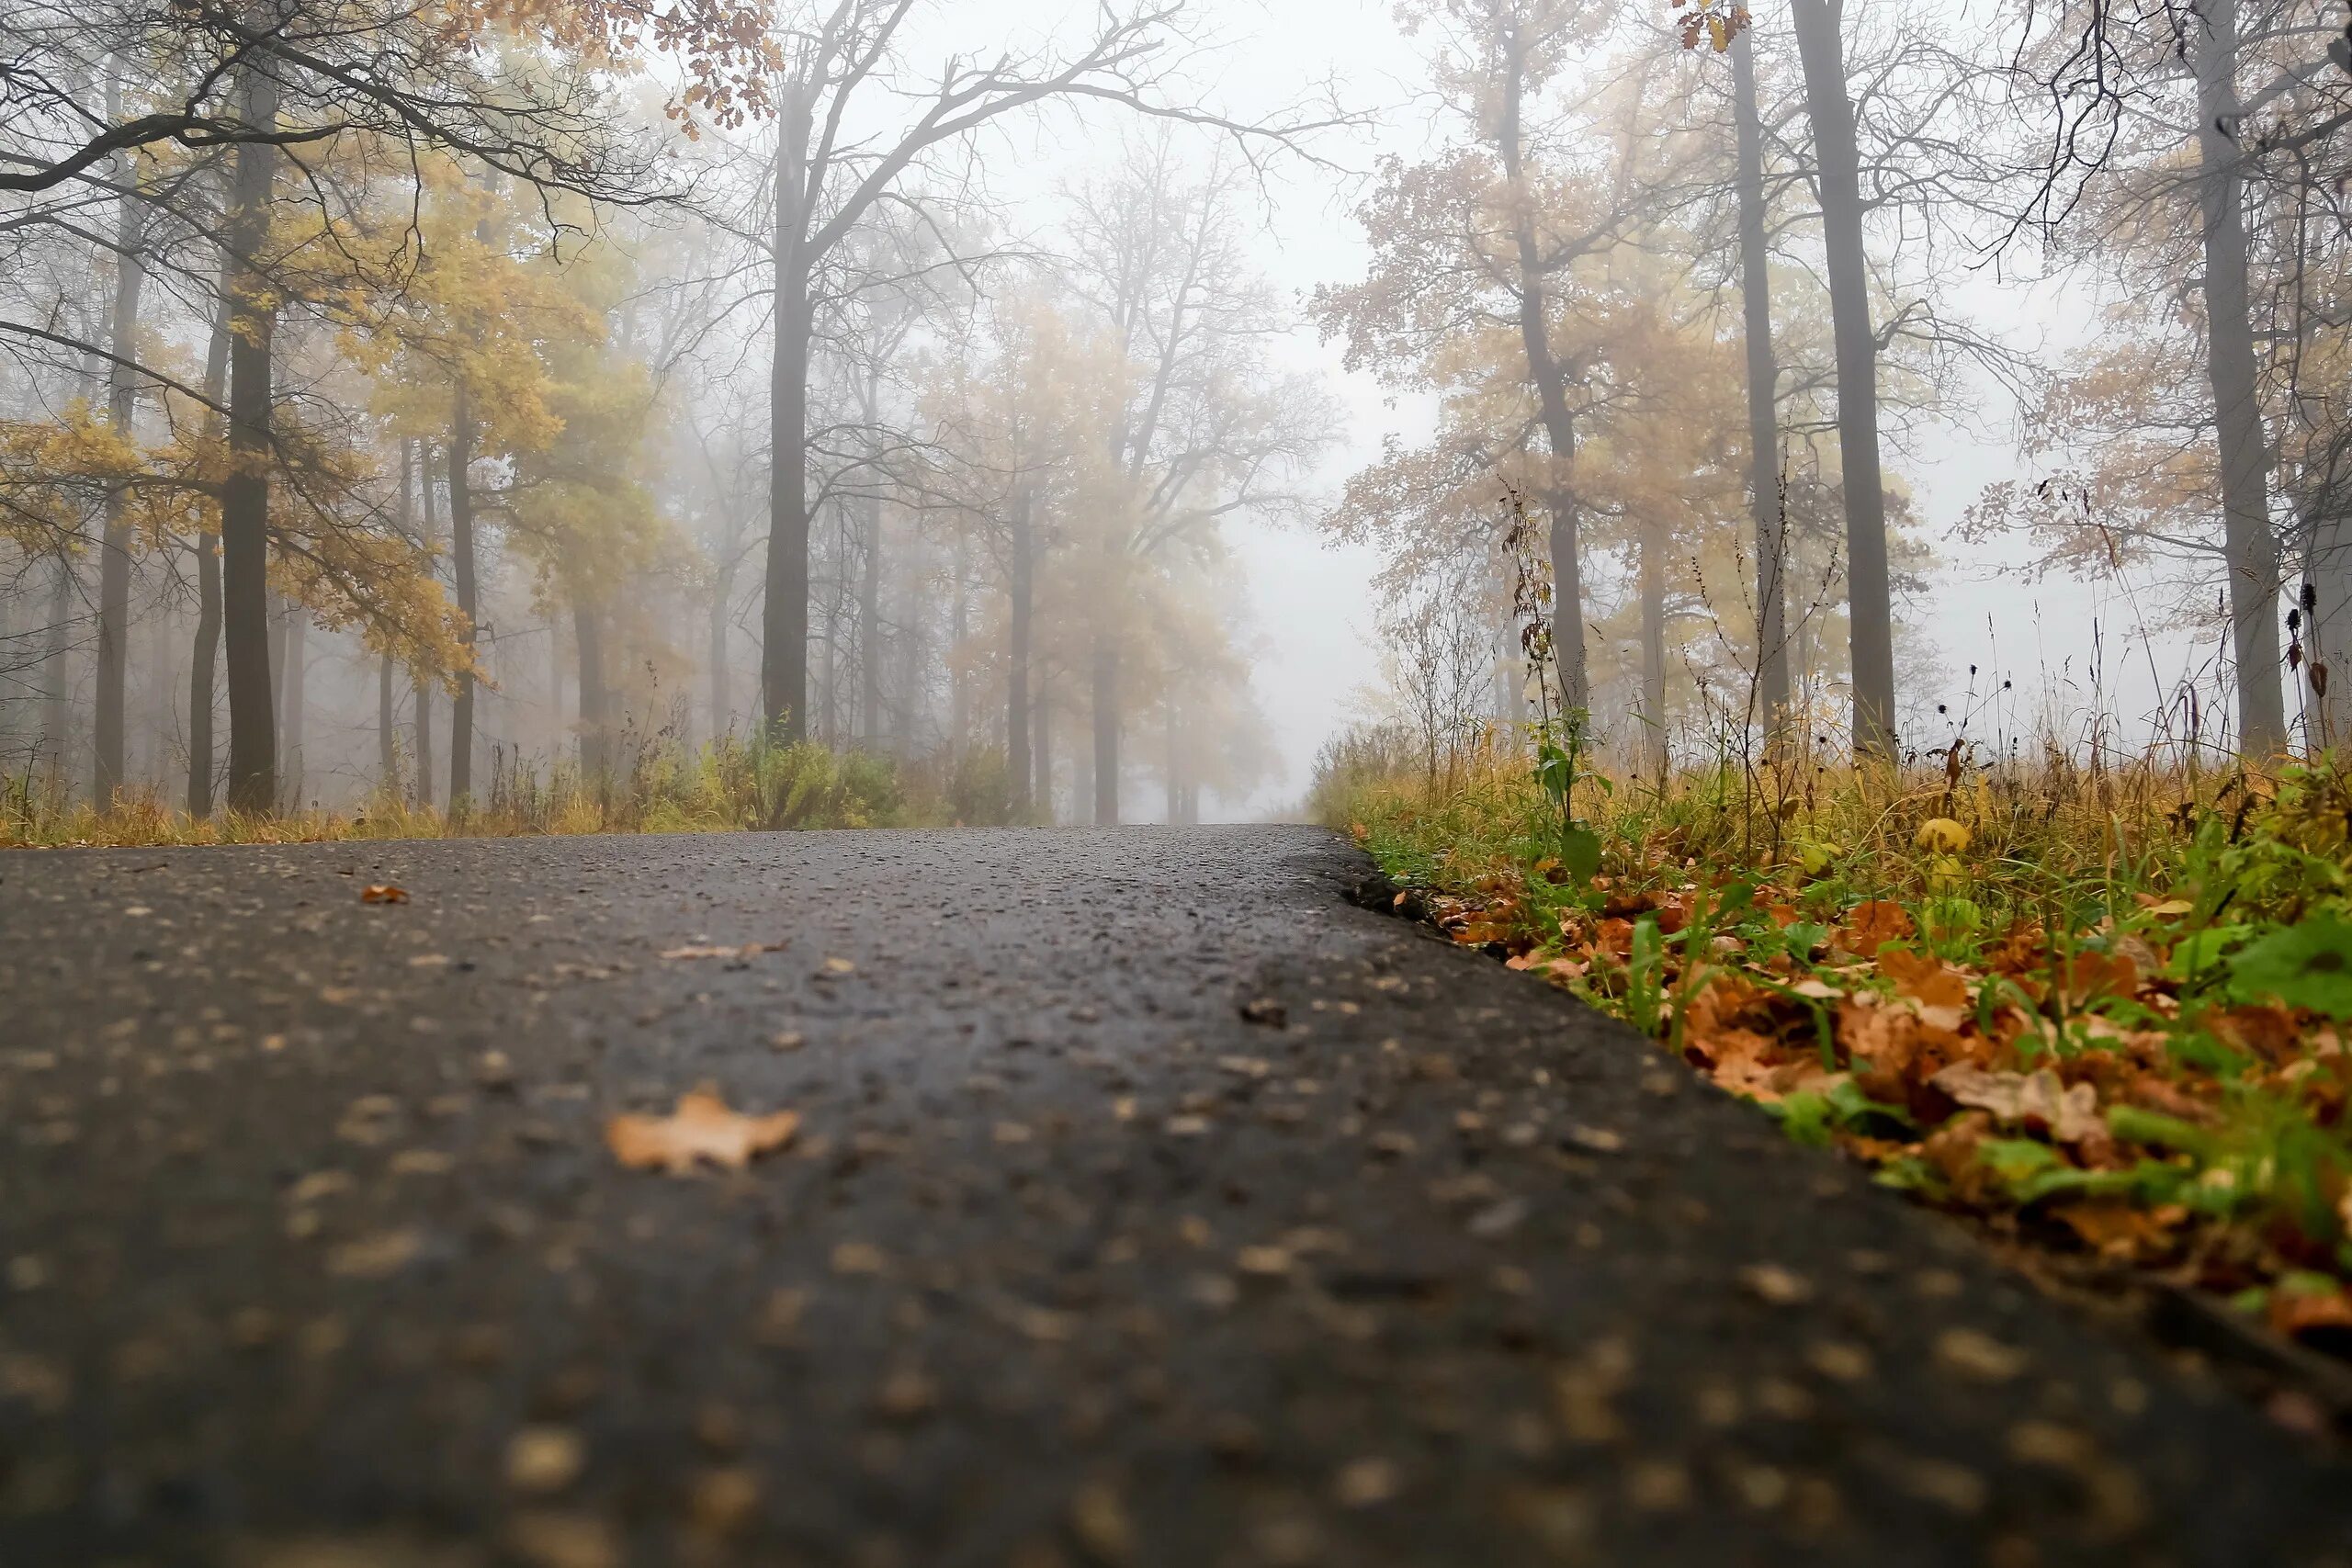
(1152, 1205)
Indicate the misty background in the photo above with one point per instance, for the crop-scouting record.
(1140, 457)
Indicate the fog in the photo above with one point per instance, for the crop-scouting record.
(1090, 416)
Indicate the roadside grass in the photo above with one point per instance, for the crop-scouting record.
(729, 785)
(2101, 1009)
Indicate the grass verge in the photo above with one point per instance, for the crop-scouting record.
(2101, 1010)
(732, 784)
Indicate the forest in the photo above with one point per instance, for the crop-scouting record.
(457, 403)
(443, 405)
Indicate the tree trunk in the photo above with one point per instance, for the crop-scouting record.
(297, 674)
(461, 559)
(244, 495)
(424, 744)
(1771, 695)
(784, 619)
(1020, 588)
(595, 758)
(1041, 775)
(280, 614)
(959, 707)
(722, 595)
(1175, 778)
(869, 625)
(200, 678)
(56, 712)
(2328, 629)
(1653, 736)
(387, 757)
(1870, 608)
(425, 495)
(387, 707)
(1105, 701)
(1551, 399)
(2251, 548)
(114, 553)
(829, 709)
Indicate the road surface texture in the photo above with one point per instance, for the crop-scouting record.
(1152, 1205)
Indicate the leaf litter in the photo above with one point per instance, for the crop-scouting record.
(2141, 1064)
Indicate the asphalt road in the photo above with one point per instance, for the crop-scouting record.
(1151, 1205)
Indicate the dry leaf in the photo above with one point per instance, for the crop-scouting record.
(383, 893)
(1869, 925)
(702, 1128)
(1924, 978)
(2070, 1114)
(2300, 1311)
(746, 951)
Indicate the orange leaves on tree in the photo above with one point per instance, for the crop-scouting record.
(701, 1129)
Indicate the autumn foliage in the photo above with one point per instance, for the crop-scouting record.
(2105, 1013)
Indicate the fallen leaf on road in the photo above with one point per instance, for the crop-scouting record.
(376, 1257)
(383, 893)
(1265, 1011)
(702, 1128)
(543, 1458)
(1366, 1483)
(748, 950)
(1978, 1356)
(1772, 1283)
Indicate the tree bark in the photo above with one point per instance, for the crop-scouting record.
(2328, 629)
(297, 676)
(425, 495)
(201, 679)
(114, 554)
(278, 624)
(1041, 770)
(1763, 417)
(1870, 607)
(784, 619)
(388, 759)
(1175, 778)
(595, 758)
(56, 712)
(722, 595)
(1550, 395)
(205, 651)
(1105, 702)
(461, 559)
(2252, 548)
(869, 625)
(244, 495)
(1653, 583)
(1020, 587)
